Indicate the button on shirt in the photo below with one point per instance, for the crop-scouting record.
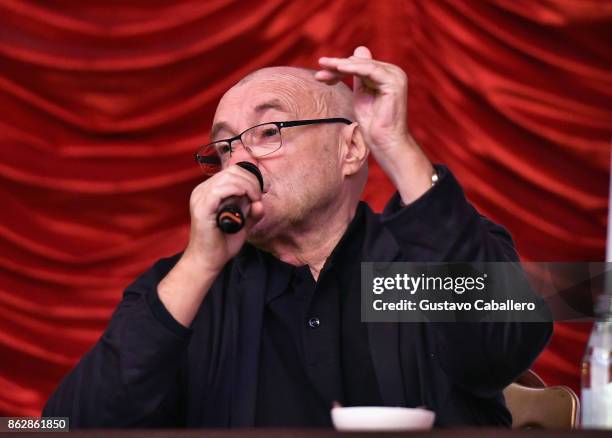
(314, 348)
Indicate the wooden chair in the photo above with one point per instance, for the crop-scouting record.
(534, 405)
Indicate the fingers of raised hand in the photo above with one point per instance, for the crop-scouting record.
(330, 73)
(362, 52)
(328, 76)
(374, 73)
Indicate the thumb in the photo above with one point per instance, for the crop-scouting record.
(257, 211)
(362, 52)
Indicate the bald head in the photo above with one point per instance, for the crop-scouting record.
(315, 98)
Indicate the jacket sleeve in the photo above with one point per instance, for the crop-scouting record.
(481, 357)
(130, 378)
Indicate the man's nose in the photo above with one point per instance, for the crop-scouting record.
(239, 153)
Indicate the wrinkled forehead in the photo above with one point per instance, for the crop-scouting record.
(251, 98)
(269, 97)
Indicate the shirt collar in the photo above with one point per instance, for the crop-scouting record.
(349, 247)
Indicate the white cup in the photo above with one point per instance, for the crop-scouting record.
(381, 418)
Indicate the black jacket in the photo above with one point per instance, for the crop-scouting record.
(148, 370)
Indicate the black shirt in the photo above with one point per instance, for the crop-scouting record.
(314, 348)
(148, 370)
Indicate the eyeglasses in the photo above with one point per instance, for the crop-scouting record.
(259, 141)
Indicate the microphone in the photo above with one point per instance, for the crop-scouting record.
(230, 216)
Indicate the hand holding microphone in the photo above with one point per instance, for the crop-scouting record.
(223, 201)
(230, 199)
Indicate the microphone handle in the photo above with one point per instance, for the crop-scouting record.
(232, 213)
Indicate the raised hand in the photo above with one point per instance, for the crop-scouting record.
(380, 96)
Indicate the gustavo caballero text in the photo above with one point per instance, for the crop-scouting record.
(478, 305)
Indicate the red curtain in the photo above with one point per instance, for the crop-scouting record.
(104, 102)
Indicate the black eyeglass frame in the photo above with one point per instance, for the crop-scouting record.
(279, 125)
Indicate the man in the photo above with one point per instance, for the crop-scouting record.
(262, 327)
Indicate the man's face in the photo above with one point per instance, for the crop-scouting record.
(303, 177)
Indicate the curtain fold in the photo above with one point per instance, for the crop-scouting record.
(104, 103)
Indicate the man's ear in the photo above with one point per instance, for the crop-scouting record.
(355, 149)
